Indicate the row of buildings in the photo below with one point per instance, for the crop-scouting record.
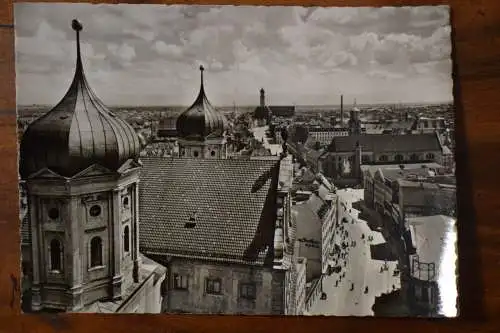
(407, 172)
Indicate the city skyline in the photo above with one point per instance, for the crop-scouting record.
(374, 55)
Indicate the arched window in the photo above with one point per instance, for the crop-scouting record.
(212, 153)
(195, 153)
(383, 158)
(56, 255)
(414, 157)
(126, 239)
(429, 156)
(96, 252)
(398, 157)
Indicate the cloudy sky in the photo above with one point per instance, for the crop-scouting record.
(149, 55)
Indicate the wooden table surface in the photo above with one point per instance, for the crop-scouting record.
(476, 37)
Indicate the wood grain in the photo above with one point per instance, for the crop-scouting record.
(476, 52)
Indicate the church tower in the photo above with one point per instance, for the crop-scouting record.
(201, 129)
(79, 164)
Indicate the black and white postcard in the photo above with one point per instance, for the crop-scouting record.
(242, 160)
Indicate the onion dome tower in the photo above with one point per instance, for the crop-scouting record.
(80, 166)
(78, 132)
(201, 128)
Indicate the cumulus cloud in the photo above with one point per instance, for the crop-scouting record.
(309, 55)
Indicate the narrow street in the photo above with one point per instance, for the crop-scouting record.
(346, 291)
(259, 134)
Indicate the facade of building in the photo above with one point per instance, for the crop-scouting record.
(416, 189)
(325, 135)
(81, 224)
(432, 254)
(400, 196)
(201, 129)
(428, 125)
(227, 237)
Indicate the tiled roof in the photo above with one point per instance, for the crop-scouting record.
(231, 201)
(385, 143)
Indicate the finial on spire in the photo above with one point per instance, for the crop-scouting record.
(201, 72)
(76, 25)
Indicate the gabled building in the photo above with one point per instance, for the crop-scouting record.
(79, 168)
(224, 231)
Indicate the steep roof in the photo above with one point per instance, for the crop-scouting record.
(231, 201)
(387, 143)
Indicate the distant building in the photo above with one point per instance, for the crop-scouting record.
(167, 127)
(325, 135)
(416, 189)
(263, 114)
(428, 125)
(223, 229)
(346, 154)
(80, 222)
(432, 257)
(201, 129)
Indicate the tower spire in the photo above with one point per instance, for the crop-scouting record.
(201, 75)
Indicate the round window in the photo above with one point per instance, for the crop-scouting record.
(95, 210)
(53, 213)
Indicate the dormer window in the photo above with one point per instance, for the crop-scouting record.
(191, 223)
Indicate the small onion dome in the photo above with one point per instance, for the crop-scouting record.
(77, 133)
(201, 119)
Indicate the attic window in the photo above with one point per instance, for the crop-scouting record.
(191, 223)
